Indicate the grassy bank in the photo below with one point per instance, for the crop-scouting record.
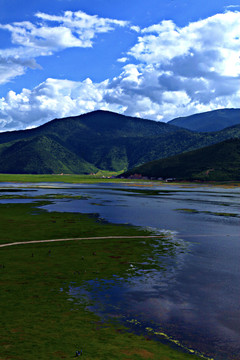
(38, 316)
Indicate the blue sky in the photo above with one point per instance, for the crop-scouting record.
(154, 59)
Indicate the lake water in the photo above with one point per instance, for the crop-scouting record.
(196, 300)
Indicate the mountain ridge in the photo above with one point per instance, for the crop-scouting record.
(99, 140)
(209, 121)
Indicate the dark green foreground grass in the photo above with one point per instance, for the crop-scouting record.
(38, 319)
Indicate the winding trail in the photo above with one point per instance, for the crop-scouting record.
(76, 239)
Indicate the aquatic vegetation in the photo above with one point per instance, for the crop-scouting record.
(45, 197)
(194, 211)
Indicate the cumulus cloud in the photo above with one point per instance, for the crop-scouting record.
(53, 33)
(54, 98)
(175, 72)
(189, 69)
(147, 92)
(163, 42)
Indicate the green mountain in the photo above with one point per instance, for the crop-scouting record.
(218, 162)
(98, 140)
(209, 121)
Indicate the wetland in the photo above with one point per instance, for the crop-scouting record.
(178, 288)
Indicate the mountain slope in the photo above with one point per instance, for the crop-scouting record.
(218, 162)
(40, 155)
(209, 121)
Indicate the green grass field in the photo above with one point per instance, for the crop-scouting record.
(38, 318)
(100, 177)
(73, 179)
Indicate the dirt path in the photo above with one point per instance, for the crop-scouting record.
(76, 239)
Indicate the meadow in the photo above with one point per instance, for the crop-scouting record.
(103, 176)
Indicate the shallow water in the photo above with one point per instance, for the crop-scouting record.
(196, 299)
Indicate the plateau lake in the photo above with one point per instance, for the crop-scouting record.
(193, 299)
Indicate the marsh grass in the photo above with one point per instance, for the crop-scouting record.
(45, 197)
(23, 222)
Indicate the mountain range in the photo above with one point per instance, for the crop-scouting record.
(99, 140)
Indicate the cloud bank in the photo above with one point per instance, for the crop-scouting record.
(169, 72)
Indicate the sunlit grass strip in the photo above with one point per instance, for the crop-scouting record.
(74, 179)
(103, 177)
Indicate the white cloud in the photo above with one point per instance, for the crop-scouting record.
(54, 33)
(81, 21)
(163, 42)
(135, 28)
(72, 29)
(194, 68)
(122, 60)
(12, 66)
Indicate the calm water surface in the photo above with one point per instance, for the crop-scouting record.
(196, 300)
